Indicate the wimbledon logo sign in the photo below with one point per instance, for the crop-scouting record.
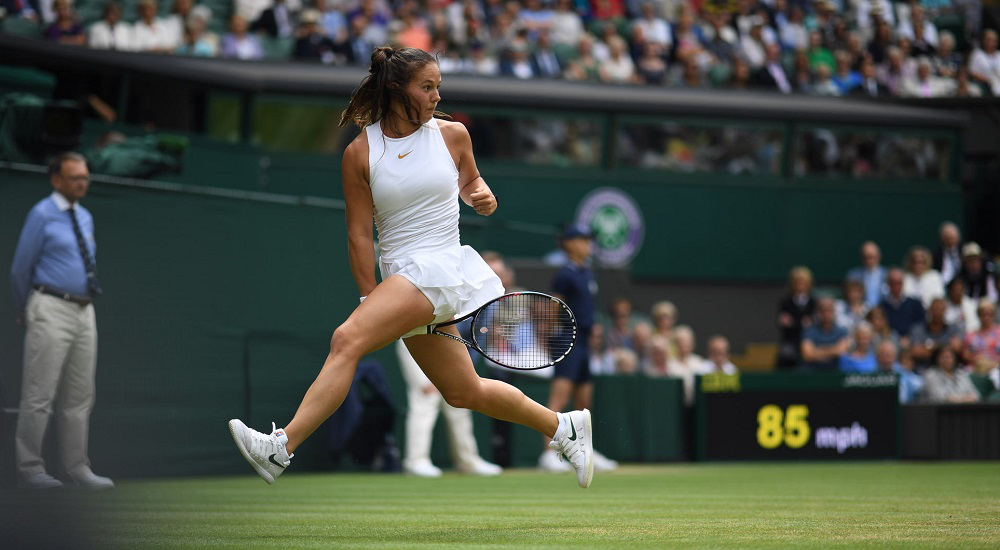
(617, 224)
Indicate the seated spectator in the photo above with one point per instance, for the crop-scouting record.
(878, 47)
(960, 308)
(948, 256)
(361, 40)
(978, 273)
(544, 61)
(929, 337)
(567, 26)
(824, 342)
(982, 347)
(642, 336)
(277, 21)
(963, 86)
(870, 273)
(618, 68)
(739, 75)
(802, 74)
(861, 357)
(198, 41)
(845, 78)
(752, 44)
(687, 74)
(881, 331)
(655, 29)
(664, 316)
(619, 334)
(721, 39)
(238, 43)
(651, 68)
(657, 363)
(921, 281)
(689, 40)
(910, 383)
(110, 33)
(411, 30)
(535, 18)
(149, 33)
(851, 310)
(66, 29)
(585, 66)
(625, 361)
(901, 311)
(176, 23)
(312, 45)
(984, 63)
(481, 62)
(687, 363)
(772, 74)
(824, 84)
(947, 61)
(925, 84)
(818, 54)
(945, 383)
(718, 357)
(893, 70)
(793, 33)
(602, 362)
(795, 312)
(869, 86)
(332, 21)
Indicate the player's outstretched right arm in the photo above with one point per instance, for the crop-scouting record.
(360, 210)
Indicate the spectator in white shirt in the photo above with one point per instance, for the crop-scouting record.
(654, 28)
(110, 33)
(925, 84)
(984, 64)
(718, 357)
(687, 363)
(150, 34)
(177, 20)
(921, 281)
(567, 27)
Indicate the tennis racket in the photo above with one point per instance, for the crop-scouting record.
(520, 330)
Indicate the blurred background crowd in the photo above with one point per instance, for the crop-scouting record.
(932, 321)
(914, 48)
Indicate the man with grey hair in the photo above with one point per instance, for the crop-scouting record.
(948, 257)
(910, 383)
(924, 84)
(54, 279)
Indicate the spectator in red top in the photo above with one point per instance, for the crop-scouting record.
(603, 10)
(982, 348)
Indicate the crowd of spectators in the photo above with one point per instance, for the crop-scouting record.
(632, 344)
(933, 321)
(869, 48)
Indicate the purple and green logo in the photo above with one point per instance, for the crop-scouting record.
(617, 224)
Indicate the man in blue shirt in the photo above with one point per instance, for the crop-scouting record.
(870, 273)
(574, 283)
(824, 342)
(54, 279)
(901, 311)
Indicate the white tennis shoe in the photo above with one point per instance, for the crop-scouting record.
(577, 446)
(266, 453)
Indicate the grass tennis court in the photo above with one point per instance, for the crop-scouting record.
(889, 505)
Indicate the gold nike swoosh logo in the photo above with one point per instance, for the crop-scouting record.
(404, 155)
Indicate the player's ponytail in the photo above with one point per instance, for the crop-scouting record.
(390, 70)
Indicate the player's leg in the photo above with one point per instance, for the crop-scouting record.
(394, 308)
(423, 404)
(447, 364)
(449, 367)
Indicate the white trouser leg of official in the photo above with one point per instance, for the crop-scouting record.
(421, 414)
(76, 396)
(54, 327)
(460, 434)
(422, 409)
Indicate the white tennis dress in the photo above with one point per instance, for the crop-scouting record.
(414, 184)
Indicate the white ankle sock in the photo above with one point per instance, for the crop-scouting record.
(561, 430)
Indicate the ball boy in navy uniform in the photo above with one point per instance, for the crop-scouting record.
(574, 283)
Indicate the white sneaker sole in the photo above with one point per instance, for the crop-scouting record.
(233, 424)
(590, 454)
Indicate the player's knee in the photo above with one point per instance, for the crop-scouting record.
(345, 341)
(465, 399)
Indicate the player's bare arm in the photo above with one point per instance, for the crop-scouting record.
(360, 210)
(471, 186)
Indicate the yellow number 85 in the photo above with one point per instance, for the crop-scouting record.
(795, 432)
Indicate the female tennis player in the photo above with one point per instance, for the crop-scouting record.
(408, 169)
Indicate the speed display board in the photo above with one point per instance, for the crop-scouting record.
(797, 416)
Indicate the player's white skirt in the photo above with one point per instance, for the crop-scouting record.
(456, 280)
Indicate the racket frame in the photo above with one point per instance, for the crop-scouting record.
(433, 329)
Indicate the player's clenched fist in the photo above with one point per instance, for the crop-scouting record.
(483, 201)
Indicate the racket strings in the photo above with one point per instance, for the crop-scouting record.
(525, 331)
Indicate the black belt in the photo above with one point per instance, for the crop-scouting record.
(78, 300)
